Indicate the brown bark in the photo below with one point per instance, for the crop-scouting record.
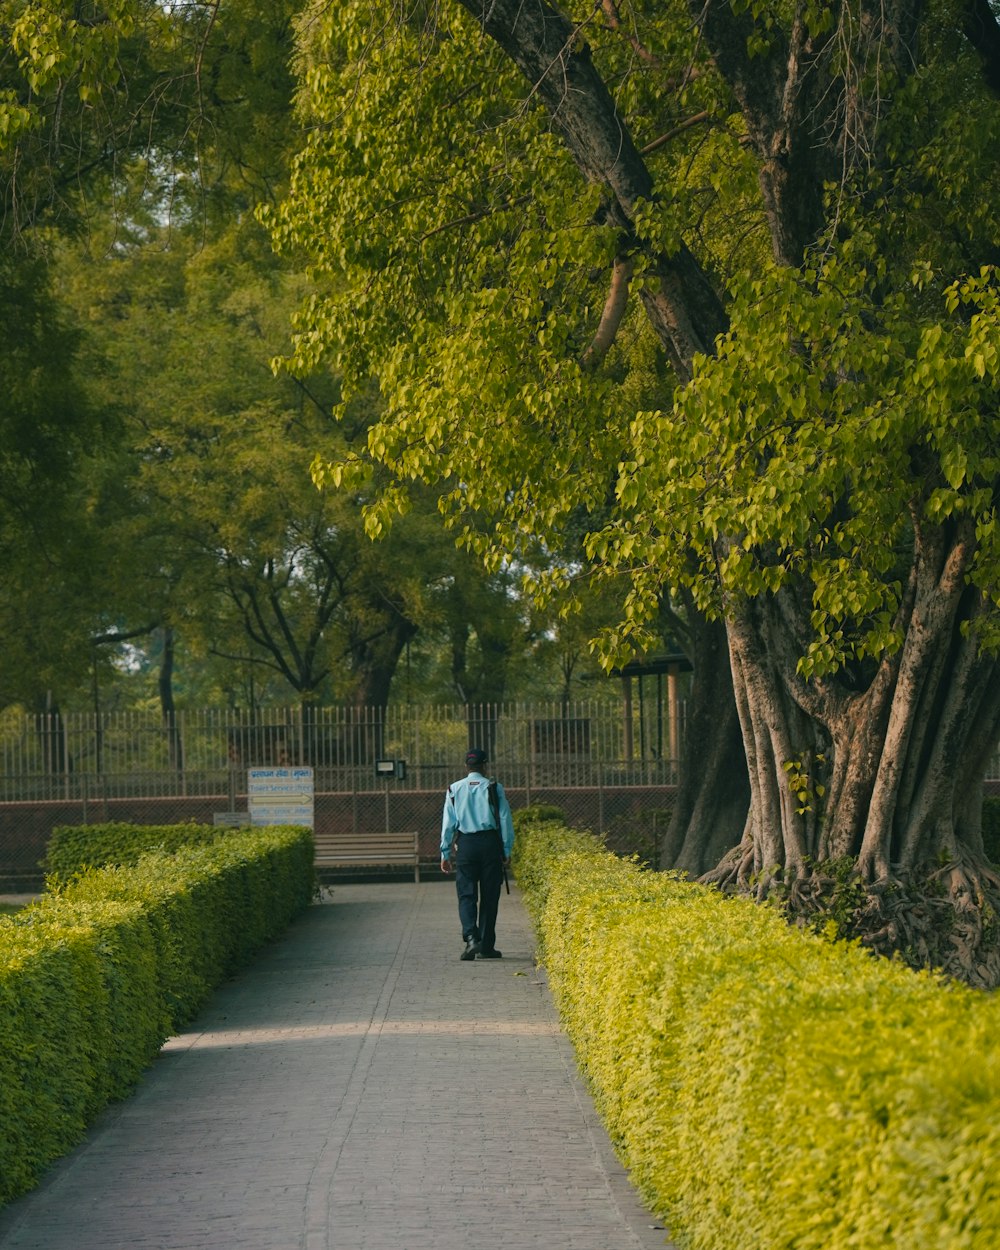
(940, 580)
(712, 801)
(893, 752)
(777, 90)
(774, 725)
(810, 100)
(683, 306)
(611, 317)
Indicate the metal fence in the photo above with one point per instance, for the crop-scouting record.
(82, 756)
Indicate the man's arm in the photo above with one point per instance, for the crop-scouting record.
(449, 824)
(506, 822)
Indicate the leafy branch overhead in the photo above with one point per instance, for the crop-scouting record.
(768, 343)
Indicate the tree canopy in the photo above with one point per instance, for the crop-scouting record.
(728, 271)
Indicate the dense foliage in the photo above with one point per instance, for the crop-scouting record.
(753, 1077)
(155, 471)
(74, 849)
(95, 977)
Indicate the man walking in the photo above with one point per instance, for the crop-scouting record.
(477, 831)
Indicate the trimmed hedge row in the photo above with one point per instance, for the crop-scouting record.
(73, 849)
(94, 978)
(765, 1087)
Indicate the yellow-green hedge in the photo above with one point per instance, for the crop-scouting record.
(75, 848)
(94, 978)
(765, 1087)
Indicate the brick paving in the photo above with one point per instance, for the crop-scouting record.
(358, 1088)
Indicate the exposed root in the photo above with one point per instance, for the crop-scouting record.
(733, 872)
(946, 918)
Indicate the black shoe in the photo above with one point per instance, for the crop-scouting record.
(472, 948)
(493, 954)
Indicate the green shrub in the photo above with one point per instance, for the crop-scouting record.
(95, 977)
(540, 812)
(765, 1087)
(53, 1016)
(75, 848)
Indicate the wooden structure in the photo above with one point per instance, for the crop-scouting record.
(368, 850)
(667, 665)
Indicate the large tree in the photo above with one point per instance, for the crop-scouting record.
(731, 265)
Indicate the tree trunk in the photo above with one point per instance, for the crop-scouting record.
(165, 685)
(710, 808)
(374, 660)
(882, 774)
(687, 314)
(887, 777)
(682, 304)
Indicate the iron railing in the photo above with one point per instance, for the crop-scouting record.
(206, 751)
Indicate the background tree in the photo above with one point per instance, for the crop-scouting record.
(113, 110)
(48, 433)
(230, 547)
(801, 203)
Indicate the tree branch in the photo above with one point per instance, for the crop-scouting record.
(982, 30)
(679, 129)
(683, 307)
(470, 218)
(100, 640)
(610, 10)
(611, 317)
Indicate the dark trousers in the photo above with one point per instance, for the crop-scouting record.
(478, 878)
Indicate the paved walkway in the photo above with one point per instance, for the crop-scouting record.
(358, 1088)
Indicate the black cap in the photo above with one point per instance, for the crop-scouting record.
(475, 757)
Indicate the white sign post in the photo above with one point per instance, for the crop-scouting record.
(280, 796)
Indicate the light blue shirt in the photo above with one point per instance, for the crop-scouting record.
(467, 807)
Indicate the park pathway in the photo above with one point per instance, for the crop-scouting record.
(358, 1088)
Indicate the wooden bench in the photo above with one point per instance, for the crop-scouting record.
(384, 850)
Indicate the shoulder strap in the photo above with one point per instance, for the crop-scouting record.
(491, 790)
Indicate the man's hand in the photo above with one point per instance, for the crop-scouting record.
(445, 864)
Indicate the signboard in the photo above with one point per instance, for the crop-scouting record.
(280, 796)
(232, 820)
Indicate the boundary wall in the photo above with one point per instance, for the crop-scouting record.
(630, 817)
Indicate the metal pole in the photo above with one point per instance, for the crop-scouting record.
(659, 716)
(65, 761)
(627, 719)
(642, 730)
